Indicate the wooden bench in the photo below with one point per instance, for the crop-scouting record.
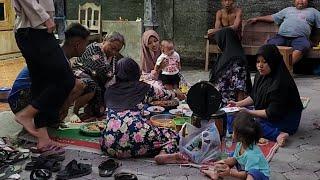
(255, 35)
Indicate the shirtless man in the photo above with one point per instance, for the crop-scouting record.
(229, 16)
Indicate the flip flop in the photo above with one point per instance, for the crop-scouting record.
(40, 174)
(56, 157)
(49, 149)
(4, 155)
(17, 156)
(42, 163)
(74, 170)
(125, 176)
(8, 170)
(107, 168)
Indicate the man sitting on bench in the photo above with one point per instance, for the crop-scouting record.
(295, 27)
(228, 16)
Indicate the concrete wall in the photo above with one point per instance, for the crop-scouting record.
(185, 21)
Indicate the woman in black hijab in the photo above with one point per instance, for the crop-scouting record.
(275, 96)
(127, 133)
(230, 72)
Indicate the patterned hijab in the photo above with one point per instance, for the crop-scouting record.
(148, 57)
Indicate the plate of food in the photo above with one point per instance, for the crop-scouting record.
(230, 109)
(176, 112)
(167, 104)
(181, 112)
(155, 109)
(93, 128)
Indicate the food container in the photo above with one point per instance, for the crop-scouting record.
(154, 110)
(167, 104)
(179, 121)
(162, 120)
(4, 94)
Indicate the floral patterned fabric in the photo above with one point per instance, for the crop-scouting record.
(128, 134)
(231, 82)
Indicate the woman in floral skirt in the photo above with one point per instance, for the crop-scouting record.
(127, 133)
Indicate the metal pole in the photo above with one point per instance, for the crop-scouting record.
(150, 18)
(59, 18)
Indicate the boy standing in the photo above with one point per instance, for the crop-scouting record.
(295, 27)
(229, 16)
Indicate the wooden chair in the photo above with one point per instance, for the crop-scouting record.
(90, 16)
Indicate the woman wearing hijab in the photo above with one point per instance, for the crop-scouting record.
(127, 133)
(230, 73)
(150, 50)
(275, 96)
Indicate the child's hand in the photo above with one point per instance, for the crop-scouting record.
(223, 170)
(180, 95)
(220, 162)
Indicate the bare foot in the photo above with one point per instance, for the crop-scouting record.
(210, 172)
(25, 118)
(281, 139)
(175, 158)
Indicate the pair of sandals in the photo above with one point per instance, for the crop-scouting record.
(108, 167)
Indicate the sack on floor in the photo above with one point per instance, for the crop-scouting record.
(200, 144)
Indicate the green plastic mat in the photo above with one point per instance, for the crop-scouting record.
(71, 134)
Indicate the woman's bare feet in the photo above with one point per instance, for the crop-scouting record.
(210, 172)
(281, 139)
(175, 158)
(25, 118)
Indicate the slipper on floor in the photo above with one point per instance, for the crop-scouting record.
(56, 157)
(107, 168)
(42, 163)
(8, 170)
(4, 155)
(74, 170)
(49, 149)
(16, 156)
(40, 174)
(125, 176)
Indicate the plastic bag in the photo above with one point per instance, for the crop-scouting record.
(200, 144)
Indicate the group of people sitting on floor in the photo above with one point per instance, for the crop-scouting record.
(101, 80)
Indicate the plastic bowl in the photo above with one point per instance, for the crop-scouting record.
(179, 121)
(162, 120)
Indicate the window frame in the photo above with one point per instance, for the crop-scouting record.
(7, 23)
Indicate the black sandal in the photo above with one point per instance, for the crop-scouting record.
(56, 157)
(125, 176)
(42, 163)
(107, 168)
(40, 174)
(74, 170)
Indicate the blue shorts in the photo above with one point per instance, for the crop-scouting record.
(300, 43)
(257, 175)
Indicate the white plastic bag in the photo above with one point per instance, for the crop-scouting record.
(200, 144)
